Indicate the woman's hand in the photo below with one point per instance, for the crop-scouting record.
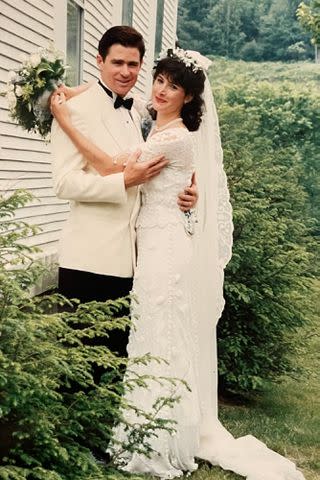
(70, 92)
(59, 109)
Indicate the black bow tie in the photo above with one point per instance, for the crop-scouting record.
(119, 101)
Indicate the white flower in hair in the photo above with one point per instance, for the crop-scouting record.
(203, 62)
(190, 58)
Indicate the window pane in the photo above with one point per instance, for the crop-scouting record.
(74, 42)
(127, 12)
(159, 27)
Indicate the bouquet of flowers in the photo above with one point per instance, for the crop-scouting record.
(29, 88)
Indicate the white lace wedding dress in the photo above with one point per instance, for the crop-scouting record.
(166, 326)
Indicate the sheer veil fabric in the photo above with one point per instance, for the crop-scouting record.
(213, 246)
(246, 456)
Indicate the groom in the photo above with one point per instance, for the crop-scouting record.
(97, 246)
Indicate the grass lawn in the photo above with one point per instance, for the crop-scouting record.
(301, 73)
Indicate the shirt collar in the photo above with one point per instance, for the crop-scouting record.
(114, 95)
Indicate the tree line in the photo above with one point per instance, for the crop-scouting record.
(256, 30)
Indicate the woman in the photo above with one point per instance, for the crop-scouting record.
(179, 278)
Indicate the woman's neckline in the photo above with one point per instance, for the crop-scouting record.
(167, 125)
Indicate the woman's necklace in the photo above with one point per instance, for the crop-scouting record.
(167, 125)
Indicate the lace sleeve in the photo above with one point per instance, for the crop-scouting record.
(170, 136)
(175, 144)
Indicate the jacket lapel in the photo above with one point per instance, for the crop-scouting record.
(137, 121)
(108, 114)
(107, 117)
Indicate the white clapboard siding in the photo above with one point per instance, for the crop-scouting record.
(169, 24)
(25, 26)
(98, 18)
(144, 20)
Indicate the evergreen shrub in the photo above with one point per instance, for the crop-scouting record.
(271, 142)
(53, 417)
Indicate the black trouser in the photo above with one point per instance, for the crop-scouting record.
(87, 287)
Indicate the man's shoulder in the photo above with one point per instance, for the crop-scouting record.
(84, 99)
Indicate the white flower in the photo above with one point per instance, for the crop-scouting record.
(19, 91)
(59, 55)
(50, 56)
(24, 58)
(201, 61)
(12, 100)
(190, 58)
(10, 87)
(35, 59)
(12, 76)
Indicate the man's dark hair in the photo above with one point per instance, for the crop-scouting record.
(123, 35)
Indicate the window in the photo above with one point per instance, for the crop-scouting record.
(74, 41)
(127, 12)
(159, 27)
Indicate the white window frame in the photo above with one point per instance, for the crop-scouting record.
(123, 10)
(60, 28)
(158, 48)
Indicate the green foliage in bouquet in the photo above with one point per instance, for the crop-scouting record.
(29, 87)
(54, 419)
(271, 140)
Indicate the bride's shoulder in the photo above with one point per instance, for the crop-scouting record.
(171, 136)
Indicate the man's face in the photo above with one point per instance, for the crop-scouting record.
(120, 69)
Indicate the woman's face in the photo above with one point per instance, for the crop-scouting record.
(167, 97)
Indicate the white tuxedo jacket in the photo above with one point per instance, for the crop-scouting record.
(99, 234)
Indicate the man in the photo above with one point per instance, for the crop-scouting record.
(97, 247)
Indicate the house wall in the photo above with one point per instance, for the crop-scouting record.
(26, 25)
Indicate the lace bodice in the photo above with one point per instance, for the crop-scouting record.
(159, 195)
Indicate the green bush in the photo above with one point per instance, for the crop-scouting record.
(47, 430)
(271, 140)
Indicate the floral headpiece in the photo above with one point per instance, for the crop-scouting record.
(190, 58)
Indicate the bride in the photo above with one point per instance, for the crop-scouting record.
(178, 281)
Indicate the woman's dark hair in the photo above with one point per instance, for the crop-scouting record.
(123, 35)
(191, 82)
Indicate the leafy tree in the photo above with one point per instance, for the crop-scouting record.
(191, 29)
(224, 23)
(309, 17)
(246, 29)
(279, 31)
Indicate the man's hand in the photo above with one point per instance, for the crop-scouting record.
(189, 197)
(136, 173)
